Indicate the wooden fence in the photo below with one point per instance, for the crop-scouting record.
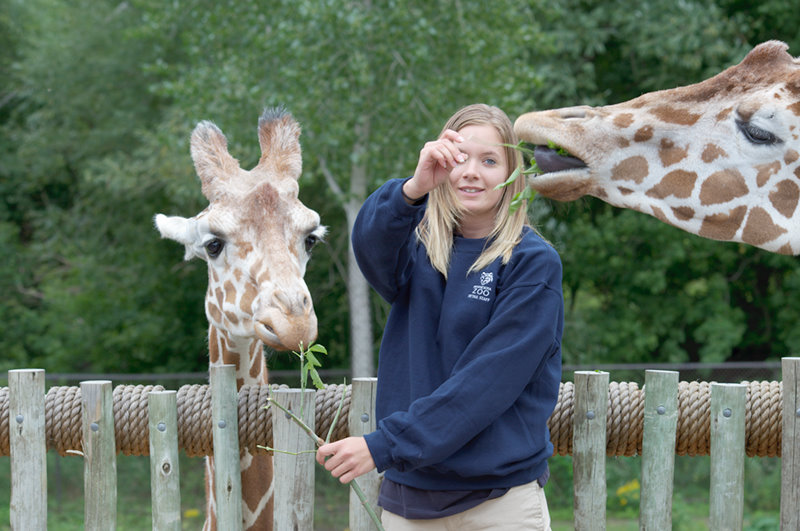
(294, 474)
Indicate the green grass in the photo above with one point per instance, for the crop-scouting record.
(690, 499)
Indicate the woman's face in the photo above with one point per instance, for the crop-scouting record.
(474, 180)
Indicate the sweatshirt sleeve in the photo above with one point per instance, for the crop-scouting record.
(501, 367)
(383, 238)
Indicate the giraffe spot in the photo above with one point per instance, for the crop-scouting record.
(724, 114)
(678, 183)
(786, 249)
(623, 120)
(631, 169)
(232, 317)
(722, 226)
(256, 363)
(669, 153)
(237, 274)
(683, 213)
(245, 248)
(659, 215)
(760, 228)
(256, 268)
(230, 292)
(218, 295)
(249, 295)
(213, 346)
(643, 134)
(765, 171)
(213, 312)
(795, 108)
(790, 156)
(673, 115)
(624, 191)
(721, 187)
(784, 197)
(776, 96)
(711, 152)
(623, 142)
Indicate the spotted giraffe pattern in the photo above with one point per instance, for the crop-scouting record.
(719, 159)
(256, 237)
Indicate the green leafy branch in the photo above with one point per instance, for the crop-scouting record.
(308, 368)
(527, 193)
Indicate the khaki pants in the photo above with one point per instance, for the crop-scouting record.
(521, 508)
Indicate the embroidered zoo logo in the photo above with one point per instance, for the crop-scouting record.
(481, 292)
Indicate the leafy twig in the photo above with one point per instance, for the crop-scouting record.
(319, 442)
(336, 417)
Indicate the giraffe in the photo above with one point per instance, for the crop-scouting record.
(720, 159)
(256, 237)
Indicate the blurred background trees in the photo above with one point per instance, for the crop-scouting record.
(97, 101)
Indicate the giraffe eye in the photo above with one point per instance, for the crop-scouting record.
(756, 135)
(311, 241)
(214, 247)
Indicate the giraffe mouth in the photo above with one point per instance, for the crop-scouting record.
(554, 159)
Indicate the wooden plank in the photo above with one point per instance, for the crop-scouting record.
(225, 431)
(362, 421)
(658, 449)
(726, 497)
(589, 450)
(165, 490)
(294, 460)
(28, 449)
(99, 456)
(790, 445)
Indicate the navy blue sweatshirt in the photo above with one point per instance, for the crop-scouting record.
(470, 366)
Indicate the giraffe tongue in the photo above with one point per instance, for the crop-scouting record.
(549, 160)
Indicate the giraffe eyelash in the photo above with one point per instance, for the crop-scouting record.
(757, 135)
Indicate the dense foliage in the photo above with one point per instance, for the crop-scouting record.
(98, 98)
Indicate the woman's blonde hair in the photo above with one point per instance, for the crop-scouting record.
(444, 210)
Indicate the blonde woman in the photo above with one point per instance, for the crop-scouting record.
(470, 360)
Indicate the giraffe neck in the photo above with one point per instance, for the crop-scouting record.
(247, 355)
(244, 353)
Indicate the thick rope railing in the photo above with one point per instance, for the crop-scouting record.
(624, 427)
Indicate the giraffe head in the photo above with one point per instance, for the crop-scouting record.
(255, 234)
(720, 159)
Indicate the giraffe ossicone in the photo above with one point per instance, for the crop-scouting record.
(256, 237)
(720, 159)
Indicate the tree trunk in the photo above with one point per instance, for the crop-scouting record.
(362, 362)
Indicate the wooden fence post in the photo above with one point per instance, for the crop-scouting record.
(362, 421)
(790, 445)
(589, 449)
(99, 456)
(726, 497)
(165, 490)
(225, 431)
(294, 472)
(658, 449)
(28, 508)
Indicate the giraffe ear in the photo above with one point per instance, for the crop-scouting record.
(278, 135)
(182, 230)
(213, 163)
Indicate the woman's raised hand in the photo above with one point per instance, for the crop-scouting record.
(436, 159)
